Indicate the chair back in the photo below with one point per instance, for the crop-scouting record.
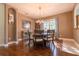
(25, 35)
(38, 34)
(51, 31)
(38, 31)
(50, 34)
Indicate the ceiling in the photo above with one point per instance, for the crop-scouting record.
(37, 10)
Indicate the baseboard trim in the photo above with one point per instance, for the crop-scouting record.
(3, 45)
(6, 45)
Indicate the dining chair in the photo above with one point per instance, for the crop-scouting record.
(50, 35)
(38, 31)
(26, 36)
(38, 37)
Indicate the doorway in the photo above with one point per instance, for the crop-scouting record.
(11, 25)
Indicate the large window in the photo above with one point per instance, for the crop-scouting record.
(49, 24)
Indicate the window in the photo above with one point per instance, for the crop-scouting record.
(49, 24)
(46, 25)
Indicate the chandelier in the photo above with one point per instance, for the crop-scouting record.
(40, 21)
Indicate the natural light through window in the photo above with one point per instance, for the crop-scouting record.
(49, 24)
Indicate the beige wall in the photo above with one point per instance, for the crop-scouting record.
(2, 24)
(22, 17)
(19, 18)
(65, 24)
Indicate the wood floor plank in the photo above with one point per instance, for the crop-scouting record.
(17, 50)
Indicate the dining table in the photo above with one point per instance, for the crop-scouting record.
(42, 36)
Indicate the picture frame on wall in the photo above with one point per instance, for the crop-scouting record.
(26, 25)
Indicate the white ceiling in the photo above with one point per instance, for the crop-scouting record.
(47, 9)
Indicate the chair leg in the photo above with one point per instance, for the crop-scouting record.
(29, 43)
(43, 43)
(34, 43)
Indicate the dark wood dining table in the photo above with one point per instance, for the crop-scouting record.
(41, 36)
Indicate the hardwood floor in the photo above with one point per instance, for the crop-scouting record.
(20, 50)
(25, 52)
